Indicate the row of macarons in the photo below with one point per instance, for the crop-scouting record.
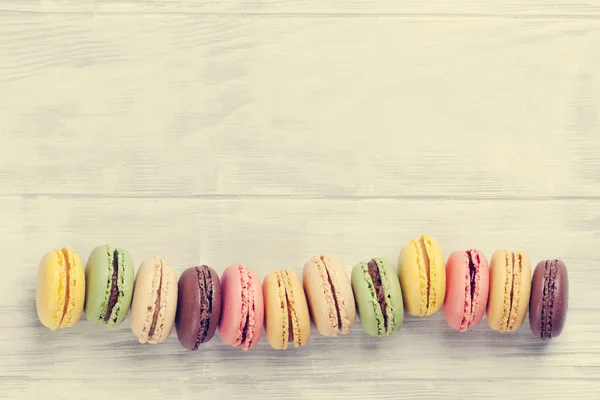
(240, 306)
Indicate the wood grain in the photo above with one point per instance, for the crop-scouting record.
(264, 132)
(272, 234)
(411, 8)
(478, 108)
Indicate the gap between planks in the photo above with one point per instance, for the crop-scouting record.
(241, 14)
(295, 197)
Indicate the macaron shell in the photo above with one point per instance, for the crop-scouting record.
(231, 304)
(560, 299)
(411, 281)
(168, 305)
(51, 284)
(394, 292)
(320, 298)
(144, 299)
(187, 320)
(98, 269)
(457, 277)
(343, 291)
(454, 303)
(76, 288)
(438, 265)
(126, 281)
(259, 307)
(147, 282)
(50, 292)
(496, 298)
(301, 323)
(524, 295)
(276, 311)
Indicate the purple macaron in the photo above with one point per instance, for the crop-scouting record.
(198, 306)
(549, 301)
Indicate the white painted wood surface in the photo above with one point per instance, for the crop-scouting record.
(267, 131)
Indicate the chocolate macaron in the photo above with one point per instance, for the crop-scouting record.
(198, 306)
(549, 299)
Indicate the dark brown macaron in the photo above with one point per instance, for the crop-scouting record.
(198, 306)
(549, 301)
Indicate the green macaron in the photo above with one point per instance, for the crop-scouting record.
(109, 276)
(378, 297)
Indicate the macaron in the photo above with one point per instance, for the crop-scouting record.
(422, 273)
(467, 285)
(287, 318)
(549, 301)
(510, 288)
(378, 297)
(198, 306)
(60, 289)
(109, 275)
(154, 301)
(329, 295)
(242, 307)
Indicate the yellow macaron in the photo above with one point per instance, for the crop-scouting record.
(422, 275)
(60, 289)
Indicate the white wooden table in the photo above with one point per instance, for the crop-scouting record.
(267, 131)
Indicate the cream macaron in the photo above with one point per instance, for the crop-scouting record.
(154, 303)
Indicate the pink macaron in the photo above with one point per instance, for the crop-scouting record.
(467, 284)
(242, 307)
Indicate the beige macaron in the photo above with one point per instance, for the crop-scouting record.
(329, 294)
(154, 301)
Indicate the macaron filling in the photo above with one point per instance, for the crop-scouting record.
(246, 332)
(550, 270)
(373, 269)
(335, 299)
(156, 305)
(114, 286)
(205, 285)
(65, 257)
(290, 324)
(472, 273)
(515, 293)
(289, 300)
(293, 321)
(472, 280)
(286, 321)
(426, 274)
(508, 291)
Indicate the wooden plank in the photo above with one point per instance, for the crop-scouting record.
(425, 357)
(181, 105)
(412, 8)
(274, 385)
